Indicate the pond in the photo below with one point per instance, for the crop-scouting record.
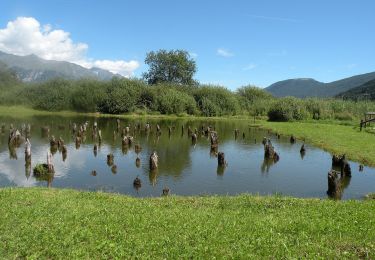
(186, 168)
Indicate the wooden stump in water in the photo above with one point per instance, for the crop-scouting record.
(269, 152)
(166, 191)
(28, 151)
(110, 159)
(100, 136)
(264, 141)
(114, 169)
(339, 161)
(138, 162)
(292, 139)
(361, 168)
(194, 138)
(214, 138)
(334, 187)
(137, 183)
(153, 161)
(221, 159)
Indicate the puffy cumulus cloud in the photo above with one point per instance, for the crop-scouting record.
(26, 35)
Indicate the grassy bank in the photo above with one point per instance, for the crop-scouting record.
(335, 138)
(51, 223)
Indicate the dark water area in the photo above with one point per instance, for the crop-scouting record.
(185, 168)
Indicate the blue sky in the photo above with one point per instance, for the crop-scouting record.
(234, 43)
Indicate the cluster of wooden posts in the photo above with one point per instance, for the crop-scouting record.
(338, 177)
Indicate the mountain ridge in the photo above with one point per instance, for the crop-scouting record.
(32, 68)
(307, 87)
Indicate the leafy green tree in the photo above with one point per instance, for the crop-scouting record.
(173, 66)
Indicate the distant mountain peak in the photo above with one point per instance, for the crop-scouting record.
(31, 68)
(308, 87)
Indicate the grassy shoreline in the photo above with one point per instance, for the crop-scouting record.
(59, 223)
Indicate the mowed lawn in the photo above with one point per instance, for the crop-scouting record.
(42, 223)
(338, 139)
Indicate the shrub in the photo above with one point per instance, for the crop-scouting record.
(87, 95)
(221, 100)
(122, 96)
(171, 101)
(287, 109)
(53, 95)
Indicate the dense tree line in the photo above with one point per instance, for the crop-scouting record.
(169, 88)
(121, 95)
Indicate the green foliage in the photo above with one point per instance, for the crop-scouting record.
(41, 170)
(171, 101)
(287, 109)
(52, 95)
(87, 95)
(335, 138)
(122, 96)
(173, 66)
(253, 93)
(254, 100)
(216, 101)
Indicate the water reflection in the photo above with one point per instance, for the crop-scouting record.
(187, 158)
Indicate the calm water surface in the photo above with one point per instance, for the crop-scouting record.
(185, 168)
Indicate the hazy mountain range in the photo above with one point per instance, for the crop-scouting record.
(32, 68)
(312, 88)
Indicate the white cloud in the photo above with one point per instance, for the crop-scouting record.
(26, 35)
(224, 53)
(251, 66)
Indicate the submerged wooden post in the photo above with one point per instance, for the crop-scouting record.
(49, 163)
(166, 191)
(194, 138)
(100, 136)
(333, 183)
(110, 159)
(214, 138)
(221, 159)
(27, 151)
(153, 161)
(270, 153)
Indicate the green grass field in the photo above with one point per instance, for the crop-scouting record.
(335, 138)
(51, 223)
